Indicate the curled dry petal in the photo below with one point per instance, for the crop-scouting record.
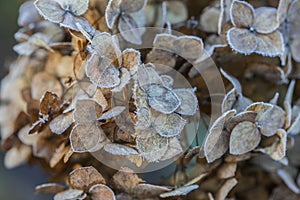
(217, 141)
(189, 102)
(242, 14)
(182, 191)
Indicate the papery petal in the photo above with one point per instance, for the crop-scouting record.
(265, 20)
(242, 14)
(270, 44)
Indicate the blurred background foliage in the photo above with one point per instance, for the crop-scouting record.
(19, 183)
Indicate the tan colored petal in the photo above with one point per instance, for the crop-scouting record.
(125, 180)
(174, 149)
(131, 58)
(119, 150)
(86, 111)
(242, 14)
(217, 141)
(124, 80)
(50, 188)
(101, 192)
(242, 40)
(244, 138)
(265, 20)
(182, 191)
(209, 19)
(61, 123)
(50, 10)
(169, 125)
(227, 170)
(69, 194)
(282, 10)
(84, 177)
(189, 47)
(295, 48)
(271, 44)
(17, 156)
(130, 6)
(144, 190)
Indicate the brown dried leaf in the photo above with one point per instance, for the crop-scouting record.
(226, 188)
(85, 177)
(59, 153)
(49, 104)
(244, 138)
(101, 192)
(131, 58)
(217, 141)
(17, 156)
(242, 14)
(249, 116)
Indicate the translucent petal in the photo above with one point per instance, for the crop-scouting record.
(49, 188)
(61, 123)
(265, 20)
(162, 99)
(189, 47)
(227, 186)
(113, 112)
(131, 58)
(70, 22)
(50, 10)
(271, 44)
(282, 10)
(244, 138)
(28, 14)
(189, 102)
(106, 45)
(174, 149)
(124, 80)
(77, 7)
(112, 12)
(69, 194)
(168, 81)
(147, 75)
(130, 30)
(242, 14)
(102, 72)
(241, 40)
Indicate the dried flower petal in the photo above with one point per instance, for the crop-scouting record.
(271, 44)
(295, 48)
(113, 112)
(288, 180)
(151, 145)
(86, 111)
(265, 20)
(101, 192)
(28, 14)
(85, 177)
(58, 155)
(101, 72)
(162, 99)
(50, 188)
(174, 149)
(61, 123)
(189, 102)
(242, 40)
(244, 138)
(147, 190)
(119, 150)
(130, 6)
(169, 125)
(16, 156)
(124, 80)
(227, 170)
(242, 14)
(129, 30)
(217, 141)
(125, 180)
(147, 75)
(112, 12)
(182, 191)
(69, 194)
(85, 137)
(50, 10)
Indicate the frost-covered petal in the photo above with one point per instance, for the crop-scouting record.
(271, 44)
(241, 40)
(242, 14)
(50, 10)
(265, 20)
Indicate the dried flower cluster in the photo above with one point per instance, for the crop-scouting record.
(84, 85)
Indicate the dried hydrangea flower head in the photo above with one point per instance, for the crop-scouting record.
(255, 30)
